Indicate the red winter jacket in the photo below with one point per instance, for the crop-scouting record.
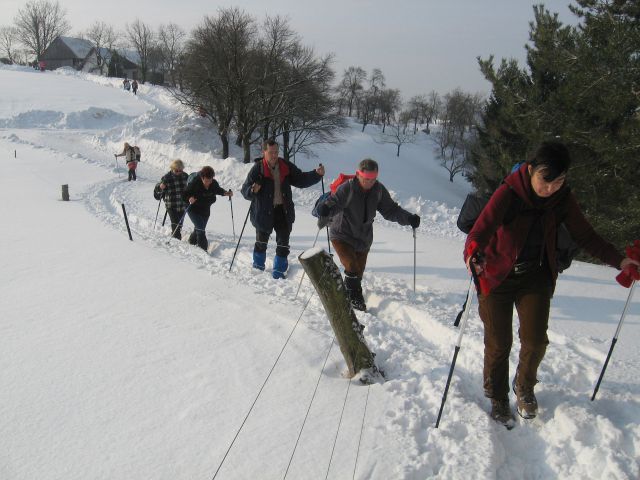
(502, 243)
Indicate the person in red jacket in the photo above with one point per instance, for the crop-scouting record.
(514, 256)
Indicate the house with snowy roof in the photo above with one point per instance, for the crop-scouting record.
(82, 55)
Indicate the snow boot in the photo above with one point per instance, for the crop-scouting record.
(353, 283)
(527, 404)
(258, 259)
(193, 238)
(501, 412)
(280, 266)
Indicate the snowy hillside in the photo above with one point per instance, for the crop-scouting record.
(141, 359)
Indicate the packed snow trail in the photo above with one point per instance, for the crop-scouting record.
(155, 348)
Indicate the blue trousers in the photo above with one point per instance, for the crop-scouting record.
(198, 236)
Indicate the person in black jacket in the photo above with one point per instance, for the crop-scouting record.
(171, 187)
(268, 188)
(201, 194)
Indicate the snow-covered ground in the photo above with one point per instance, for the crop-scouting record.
(141, 359)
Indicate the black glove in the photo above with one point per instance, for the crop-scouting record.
(323, 210)
(414, 220)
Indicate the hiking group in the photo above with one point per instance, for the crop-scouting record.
(511, 247)
(130, 86)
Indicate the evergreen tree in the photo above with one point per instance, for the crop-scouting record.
(581, 86)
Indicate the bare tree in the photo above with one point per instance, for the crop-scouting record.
(459, 113)
(351, 88)
(431, 109)
(397, 134)
(142, 40)
(417, 106)
(9, 43)
(39, 23)
(103, 36)
(369, 103)
(216, 69)
(171, 43)
(388, 104)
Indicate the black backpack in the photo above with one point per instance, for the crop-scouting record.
(566, 248)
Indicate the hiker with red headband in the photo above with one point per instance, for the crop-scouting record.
(350, 213)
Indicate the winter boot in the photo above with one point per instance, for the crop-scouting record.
(258, 259)
(527, 404)
(193, 238)
(501, 412)
(280, 266)
(353, 283)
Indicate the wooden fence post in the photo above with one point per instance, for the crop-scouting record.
(65, 193)
(327, 280)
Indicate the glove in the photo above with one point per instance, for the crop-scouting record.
(414, 220)
(323, 222)
(323, 210)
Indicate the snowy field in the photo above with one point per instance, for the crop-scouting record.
(140, 360)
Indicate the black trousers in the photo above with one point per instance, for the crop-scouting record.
(283, 232)
(176, 225)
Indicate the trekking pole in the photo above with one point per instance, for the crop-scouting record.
(165, 217)
(157, 212)
(414, 260)
(233, 223)
(240, 237)
(465, 317)
(328, 242)
(615, 339)
(179, 224)
(302, 277)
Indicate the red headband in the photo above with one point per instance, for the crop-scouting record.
(367, 175)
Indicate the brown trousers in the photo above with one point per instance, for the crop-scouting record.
(531, 293)
(353, 262)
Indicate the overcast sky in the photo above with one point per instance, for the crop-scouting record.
(420, 45)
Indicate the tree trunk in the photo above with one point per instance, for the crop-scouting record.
(326, 279)
(224, 138)
(398, 153)
(246, 147)
(285, 142)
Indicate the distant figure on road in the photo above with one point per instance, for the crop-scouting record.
(126, 85)
(134, 87)
(129, 155)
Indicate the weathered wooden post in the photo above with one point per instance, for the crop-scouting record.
(65, 193)
(326, 279)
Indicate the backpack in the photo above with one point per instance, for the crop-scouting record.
(566, 248)
(136, 151)
(343, 177)
(192, 177)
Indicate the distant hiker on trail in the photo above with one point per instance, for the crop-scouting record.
(516, 265)
(350, 213)
(171, 187)
(200, 193)
(134, 87)
(268, 187)
(129, 153)
(126, 85)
